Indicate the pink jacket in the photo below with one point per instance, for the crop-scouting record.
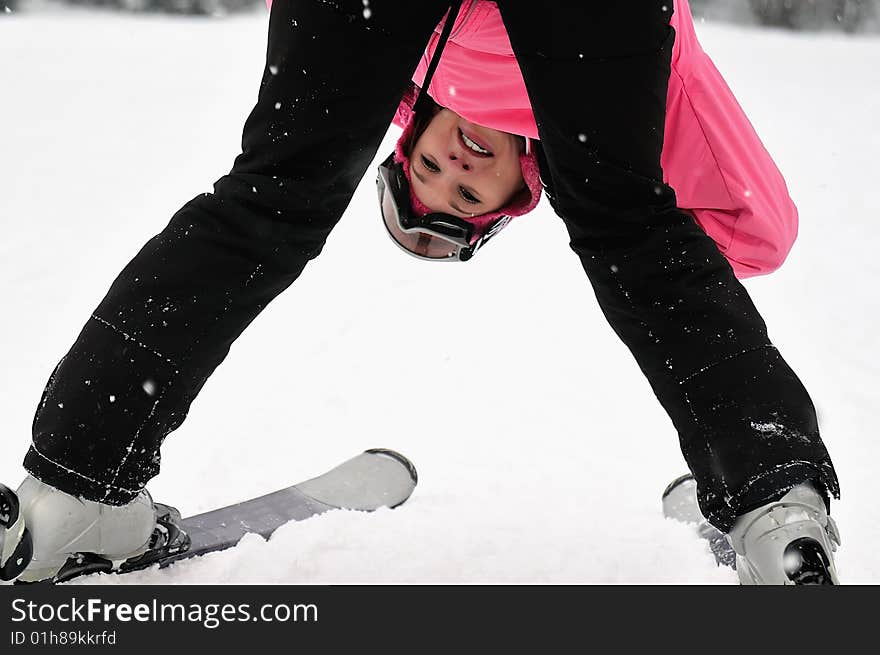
(712, 156)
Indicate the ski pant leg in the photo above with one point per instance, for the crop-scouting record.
(333, 79)
(597, 74)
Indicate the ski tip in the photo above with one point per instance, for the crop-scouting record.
(679, 480)
(393, 454)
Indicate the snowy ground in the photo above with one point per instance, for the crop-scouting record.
(550, 464)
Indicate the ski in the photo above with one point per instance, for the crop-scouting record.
(680, 503)
(375, 478)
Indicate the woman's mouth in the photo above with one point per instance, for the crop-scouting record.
(473, 146)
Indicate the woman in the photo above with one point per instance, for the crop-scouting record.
(712, 157)
(334, 76)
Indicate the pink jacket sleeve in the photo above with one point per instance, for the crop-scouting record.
(719, 167)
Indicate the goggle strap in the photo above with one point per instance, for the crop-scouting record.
(494, 229)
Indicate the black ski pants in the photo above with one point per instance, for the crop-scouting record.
(597, 74)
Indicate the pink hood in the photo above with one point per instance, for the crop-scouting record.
(478, 76)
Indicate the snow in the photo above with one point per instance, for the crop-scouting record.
(541, 449)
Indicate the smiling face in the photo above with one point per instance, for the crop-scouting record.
(464, 169)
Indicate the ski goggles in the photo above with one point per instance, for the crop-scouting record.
(434, 237)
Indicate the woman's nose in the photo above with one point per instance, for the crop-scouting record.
(460, 161)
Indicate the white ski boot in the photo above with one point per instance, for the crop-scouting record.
(787, 542)
(43, 529)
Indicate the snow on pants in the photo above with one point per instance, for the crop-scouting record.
(332, 82)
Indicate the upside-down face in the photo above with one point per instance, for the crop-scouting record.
(464, 169)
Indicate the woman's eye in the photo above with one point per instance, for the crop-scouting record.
(468, 196)
(431, 166)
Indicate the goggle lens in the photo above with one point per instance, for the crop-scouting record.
(417, 242)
